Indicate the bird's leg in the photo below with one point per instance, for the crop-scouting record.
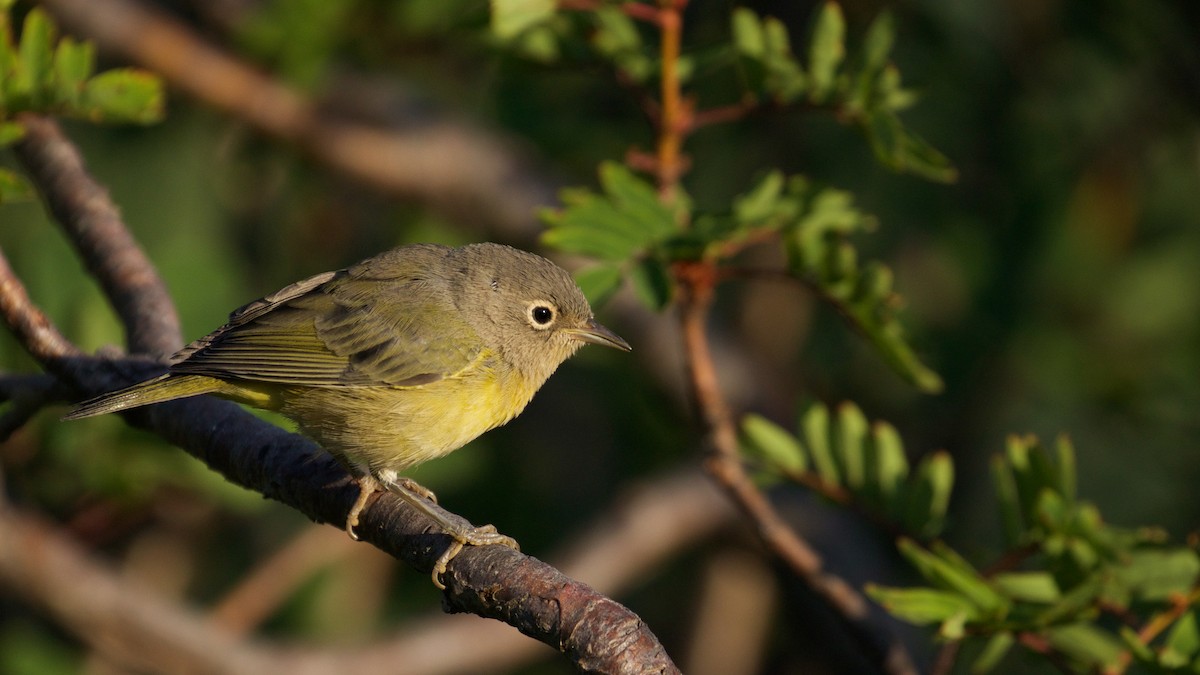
(416, 496)
(417, 489)
(367, 486)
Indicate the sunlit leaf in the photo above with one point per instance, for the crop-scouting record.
(928, 494)
(1182, 643)
(815, 425)
(992, 653)
(851, 436)
(34, 60)
(1085, 643)
(826, 51)
(922, 606)
(946, 570)
(512, 17)
(73, 63)
(123, 95)
(1037, 587)
(1008, 501)
(1158, 574)
(891, 467)
(770, 441)
(598, 282)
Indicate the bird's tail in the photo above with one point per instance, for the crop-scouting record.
(165, 388)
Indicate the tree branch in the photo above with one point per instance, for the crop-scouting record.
(696, 283)
(94, 226)
(650, 524)
(32, 328)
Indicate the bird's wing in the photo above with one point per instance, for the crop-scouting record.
(336, 329)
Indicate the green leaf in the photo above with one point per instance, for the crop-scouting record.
(593, 227)
(73, 63)
(14, 188)
(615, 226)
(877, 44)
(945, 569)
(901, 150)
(747, 32)
(770, 441)
(1157, 574)
(651, 282)
(1133, 642)
(616, 37)
(928, 495)
(34, 57)
(1066, 467)
(993, 652)
(815, 425)
(762, 202)
(512, 17)
(891, 467)
(826, 51)
(922, 606)
(1086, 644)
(1009, 502)
(1037, 587)
(1183, 642)
(598, 282)
(124, 95)
(852, 432)
(638, 201)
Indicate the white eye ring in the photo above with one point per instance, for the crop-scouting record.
(541, 314)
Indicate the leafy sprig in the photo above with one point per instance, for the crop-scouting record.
(44, 74)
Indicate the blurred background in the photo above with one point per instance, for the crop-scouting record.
(1055, 287)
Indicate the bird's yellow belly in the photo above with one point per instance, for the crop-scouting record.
(384, 428)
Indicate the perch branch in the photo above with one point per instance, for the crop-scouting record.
(650, 524)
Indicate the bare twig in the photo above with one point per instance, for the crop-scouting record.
(675, 114)
(696, 283)
(94, 226)
(467, 174)
(33, 329)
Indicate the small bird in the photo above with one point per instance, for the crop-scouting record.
(402, 358)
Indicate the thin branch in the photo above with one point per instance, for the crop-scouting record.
(32, 328)
(465, 173)
(94, 226)
(696, 282)
(675, 114)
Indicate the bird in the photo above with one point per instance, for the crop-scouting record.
(394, 361)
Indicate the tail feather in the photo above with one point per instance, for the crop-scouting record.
(164, 388)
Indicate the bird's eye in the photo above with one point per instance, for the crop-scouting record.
(541, 314)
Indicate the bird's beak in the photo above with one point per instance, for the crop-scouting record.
(598, 335)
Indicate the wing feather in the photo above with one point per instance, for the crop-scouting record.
(339, 329)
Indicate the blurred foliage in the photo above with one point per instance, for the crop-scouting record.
(1054, 288)
(40, 73)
